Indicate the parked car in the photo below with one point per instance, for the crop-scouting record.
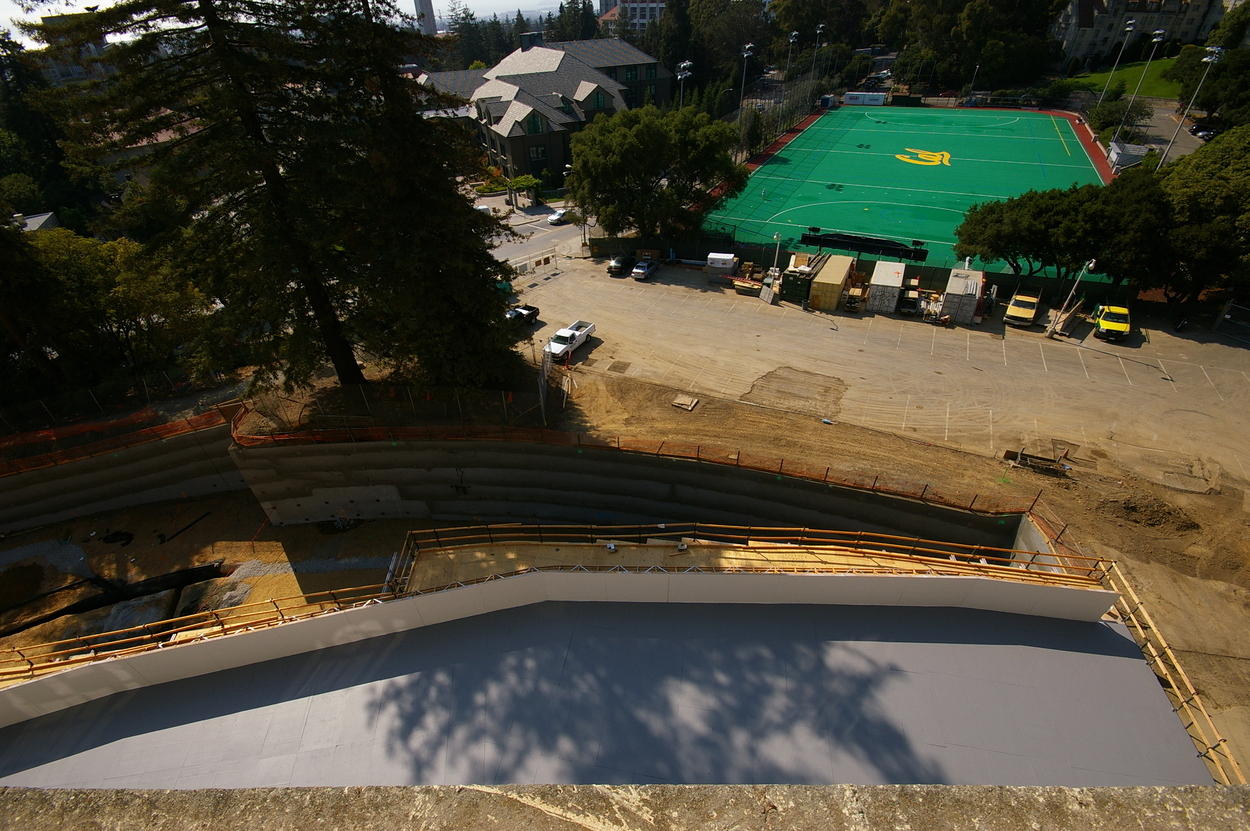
(620, 265)
(1111, 323)
(557, 218)
(523, 315)
(645, 269)
(1023, 308)
(1206, 135)
(565, 341)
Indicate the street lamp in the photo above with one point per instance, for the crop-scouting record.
(683, 72)
(972, 87)
(1128, 30)
(820, 30)
(785, 79)
(746, 53)
(777, 253)
(1054, 323)
(1156, 38)
(1211, 59)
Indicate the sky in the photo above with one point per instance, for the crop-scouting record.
(482, 8)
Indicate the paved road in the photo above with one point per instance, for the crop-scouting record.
(1160, 403)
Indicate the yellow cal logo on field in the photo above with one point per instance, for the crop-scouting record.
(925, 157)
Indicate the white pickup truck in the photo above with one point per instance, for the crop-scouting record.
(565, 341)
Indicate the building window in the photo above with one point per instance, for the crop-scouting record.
(538, 153)
(631, 73)
(534, 124)
(600, 102)
(651, 71)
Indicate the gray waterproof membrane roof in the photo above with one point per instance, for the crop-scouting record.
(633, 693)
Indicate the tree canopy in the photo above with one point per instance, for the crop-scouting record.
(649, 170)
(1184, 229)
(273, 137)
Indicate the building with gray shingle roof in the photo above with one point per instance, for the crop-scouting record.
(527, 106)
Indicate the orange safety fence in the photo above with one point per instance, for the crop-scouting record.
(191, 424)
(48, 434)
(886, 485)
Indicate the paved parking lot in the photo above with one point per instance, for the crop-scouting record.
(1160, 404)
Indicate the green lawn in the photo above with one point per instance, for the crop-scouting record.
(1153, 87)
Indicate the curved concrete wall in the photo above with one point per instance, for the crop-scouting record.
(483, 481)
(96, 680)
(192, 464)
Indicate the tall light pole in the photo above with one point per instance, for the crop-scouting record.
(1212, 58)
(1054, 323)
(1128, 30)
(746, 54)
(820, 30)
(683, 72)
(1156, 38)
(972, 87)
(777, 253)
(785, 79)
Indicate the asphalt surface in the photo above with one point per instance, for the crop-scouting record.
(1162, 403)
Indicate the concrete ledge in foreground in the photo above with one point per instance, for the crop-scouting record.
(626, 808)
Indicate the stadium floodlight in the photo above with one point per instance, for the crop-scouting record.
(1158, 36)
(683, 72)
(820, 30)
(777, 253)
(1213, 57)
(746, 54)
(1128, 30)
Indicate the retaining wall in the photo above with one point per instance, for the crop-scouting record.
(490, 481)
(97, 679)
(191, 464)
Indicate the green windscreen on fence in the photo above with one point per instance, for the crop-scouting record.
(902, 174)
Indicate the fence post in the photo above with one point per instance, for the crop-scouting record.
(873, 486)
(923, 491)
(974, 501)
(1034, 502)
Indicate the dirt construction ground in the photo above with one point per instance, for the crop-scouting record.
(1171, 510)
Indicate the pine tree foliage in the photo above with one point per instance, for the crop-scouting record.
(299, 184)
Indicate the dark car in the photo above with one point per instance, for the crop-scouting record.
(522, 315)
(1206, 135)
(620, 265)
(645, 269)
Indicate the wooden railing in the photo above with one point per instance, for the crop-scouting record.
(1085, 570)
(876, 553)
(1212, 747)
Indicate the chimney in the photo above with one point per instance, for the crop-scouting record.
(531, 39)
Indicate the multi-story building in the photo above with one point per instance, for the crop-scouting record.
(1093, 30)
(59, 65)
(636, 14)
(528, 105)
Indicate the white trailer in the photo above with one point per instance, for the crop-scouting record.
(885, 287)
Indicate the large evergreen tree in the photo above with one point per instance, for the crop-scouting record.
(299, 180)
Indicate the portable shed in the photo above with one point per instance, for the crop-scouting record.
(963, 294)
(829, 281)
(885, 287)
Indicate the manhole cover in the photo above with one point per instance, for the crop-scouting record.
(532, 286)
(618, 366)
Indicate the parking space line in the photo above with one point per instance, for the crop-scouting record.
(1004, 343)
(968, 349)
(933, 345)
(1212, 383)
(947, 435)
(905, 409)
(1043, 353)
(1082, 357)
(868, 331)
(1167, 376)
(899, 341)
(991, 430)
(1124, 369)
